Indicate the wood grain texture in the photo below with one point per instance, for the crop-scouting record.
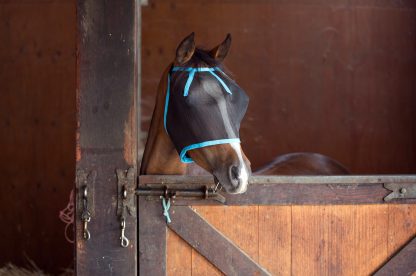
(37, 126)
(216, 247)
(152, 239)
(275, 239)
(106, 134)
(239, 224)
(285, 190)
(402, 263)
(338, 240)
(308, 240)
(178, 256)
(401, 231)
(402, 226)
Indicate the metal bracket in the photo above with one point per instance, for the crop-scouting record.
(126, 200)
(400, 191)
(85, 185)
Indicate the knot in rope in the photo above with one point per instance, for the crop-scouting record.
(166, 207)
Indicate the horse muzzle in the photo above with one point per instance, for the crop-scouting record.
(234, 179)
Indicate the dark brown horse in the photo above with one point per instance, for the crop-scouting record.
(213, 105)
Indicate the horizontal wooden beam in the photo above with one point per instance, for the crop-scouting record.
(274, 179)
(292, 190)
(212, 244)
(403, 263)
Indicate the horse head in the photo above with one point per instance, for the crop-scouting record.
(202, 111)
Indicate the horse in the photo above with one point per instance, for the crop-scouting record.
(197, 117)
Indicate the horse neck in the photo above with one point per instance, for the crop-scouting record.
(160, 156)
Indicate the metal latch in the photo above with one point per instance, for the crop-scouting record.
(126, 204)
(400, 191)
(169, 192)
(85, 184)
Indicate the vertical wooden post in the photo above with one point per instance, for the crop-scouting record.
(107, 133)
(152, 233)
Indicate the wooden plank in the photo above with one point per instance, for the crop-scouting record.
(401, 229)
(106, 138)
(357, 239)
(208, 241)
(237, 223)
(152, 235)
(202, 267)
(309, 240)
(296, 190)
(338, 240)
(179, 256)
(275, 239)
(403, 263)
(402, 226)
(283, 179)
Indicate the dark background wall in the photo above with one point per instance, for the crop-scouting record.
(37, 129)
(334, 77)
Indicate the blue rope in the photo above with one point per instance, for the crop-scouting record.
(166, 207)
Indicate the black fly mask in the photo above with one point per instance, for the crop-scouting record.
(203, 107)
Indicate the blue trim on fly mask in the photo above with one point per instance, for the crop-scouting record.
(192, 71)
(166, 103)
(186, 159)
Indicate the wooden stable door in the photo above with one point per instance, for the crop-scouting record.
(277, 228)
(302, 240)
(281, 226)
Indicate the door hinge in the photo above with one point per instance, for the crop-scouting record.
(400, 191)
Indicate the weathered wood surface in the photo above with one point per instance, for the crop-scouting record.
(402, 263)
(106, 138)
(290, 190)
(179, 256)
(338, 240)
(213, 245)
(152, 239)
(275, 238)
(300, 240)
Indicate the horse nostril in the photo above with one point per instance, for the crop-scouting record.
(235, 172)
(234, 175)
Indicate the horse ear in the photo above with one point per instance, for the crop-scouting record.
(185, 49)
(221, 51)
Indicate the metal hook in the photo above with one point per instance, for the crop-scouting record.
(86, 217)
(124, 240)
(86, 234)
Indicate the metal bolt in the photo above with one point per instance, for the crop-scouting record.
(85, 192)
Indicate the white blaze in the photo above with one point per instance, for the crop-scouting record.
(213, 88)
(243, 174)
